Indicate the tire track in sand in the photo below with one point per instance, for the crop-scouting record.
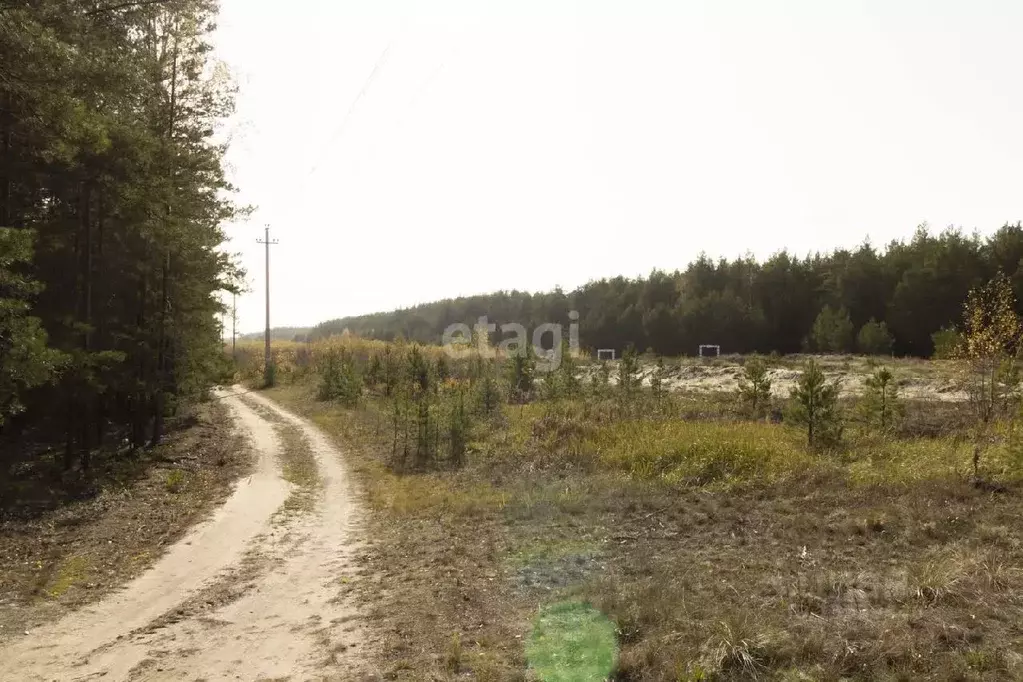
(283, 619)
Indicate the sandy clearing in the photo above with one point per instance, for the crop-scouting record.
(697, 378)
(289, 620)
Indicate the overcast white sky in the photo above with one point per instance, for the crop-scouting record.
(532, 144)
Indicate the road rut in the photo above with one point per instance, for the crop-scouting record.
(252, 593)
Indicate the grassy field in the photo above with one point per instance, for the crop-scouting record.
(714, 545)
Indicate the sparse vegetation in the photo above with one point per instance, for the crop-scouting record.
(719, 548)
(175, 480)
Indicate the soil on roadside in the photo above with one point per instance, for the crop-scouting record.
(68, 539)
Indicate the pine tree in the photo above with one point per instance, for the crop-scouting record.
(459, 430)
(754, 387)
(442, 369)
(393, 368)
(107, 121)
(488, 395)
(880, 405)
(628, 370)
(657, 379)
(814, 404)
(25, 359)
(601, 377)
(339, 377)
(568, 373)
(551, 385)
(418, 369)
(522, 373)
(375, 371)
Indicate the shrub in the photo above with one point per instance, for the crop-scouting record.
(815, 405)
(832, 331)
(946, 343)
(175, 481)
(875, 339)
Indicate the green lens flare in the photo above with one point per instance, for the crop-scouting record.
(572, 642)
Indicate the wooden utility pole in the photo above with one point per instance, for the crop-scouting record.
(267, 358)
(234, 326)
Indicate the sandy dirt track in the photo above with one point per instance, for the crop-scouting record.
(252, 593)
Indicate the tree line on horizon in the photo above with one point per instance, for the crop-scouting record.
(112, 197)
(899, 299)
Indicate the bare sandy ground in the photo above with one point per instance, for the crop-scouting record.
(917, 380)
(250, 594)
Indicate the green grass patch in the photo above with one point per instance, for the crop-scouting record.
(71, 573)
(572, 642)
(551, 550)
(703, 453)
(174, 481)
(879, 461)
(431, 493)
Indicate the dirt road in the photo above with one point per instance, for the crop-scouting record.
(256, 592)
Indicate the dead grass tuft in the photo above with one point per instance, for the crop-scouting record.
(739, 648)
